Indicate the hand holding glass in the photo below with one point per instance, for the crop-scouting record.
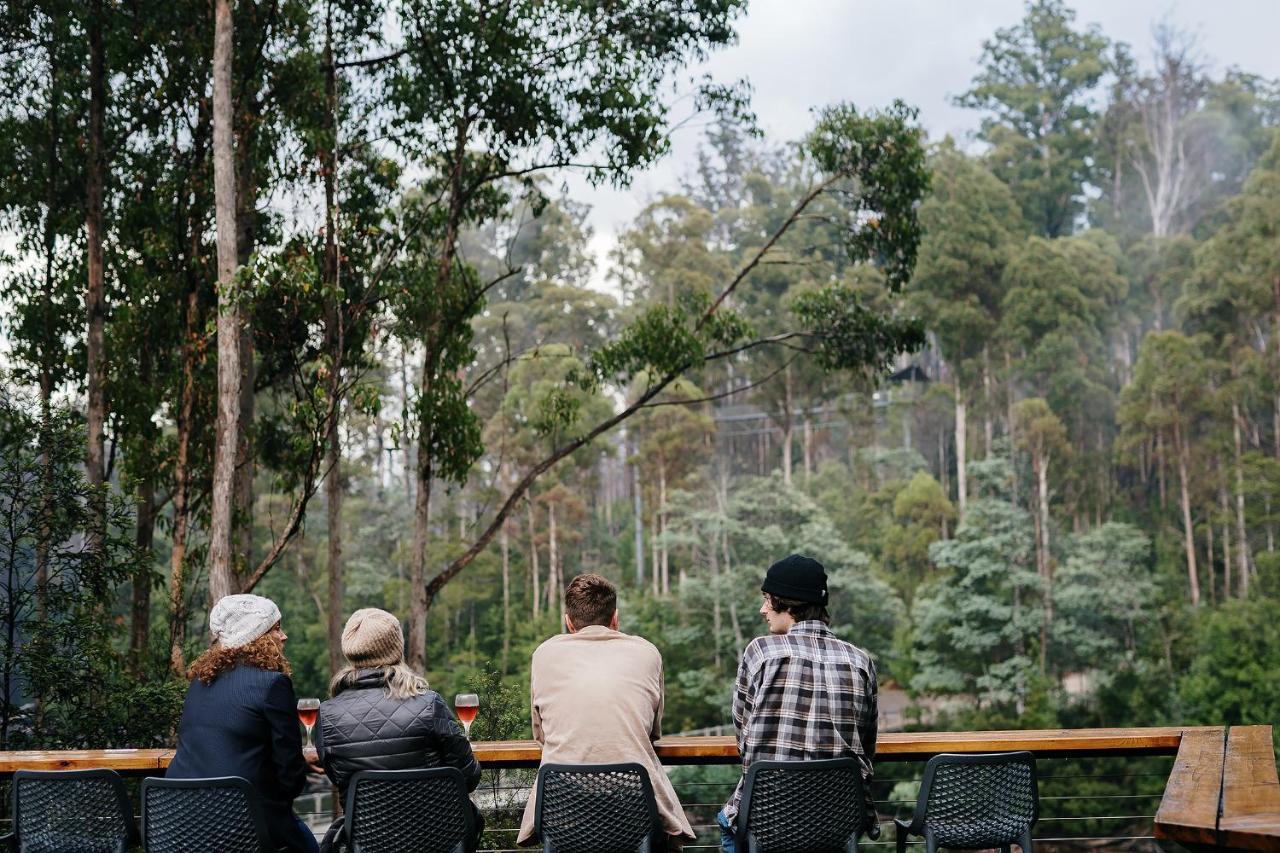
(466, 704)
(307, 711)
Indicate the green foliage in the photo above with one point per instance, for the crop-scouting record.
(1234, 679)
(883, 155)
(1035, 88)
(976, 625)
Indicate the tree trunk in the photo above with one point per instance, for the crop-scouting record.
(786, 428)
(181, 480)
(662, 526)
(1160, 468)
(1275, 336)
(534, 571)
(637, 513)
(333, 495)
(713, 557)
(654, 549)
(553, 558)
(140, 606)
(1040, 461)
(47, 345)
(962, 489)
(95, 296)
(988, 425)
(1188, 532)
(221, 576)
(1226, 541)
(334, 335)
(808, 448)
(1242, 535)
(1209, 561)
(418, 603)
(506, 596)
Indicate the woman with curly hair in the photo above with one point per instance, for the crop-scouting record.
(240, 716)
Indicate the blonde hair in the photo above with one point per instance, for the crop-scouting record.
(398, 679)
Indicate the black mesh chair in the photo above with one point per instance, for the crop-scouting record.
(596, 808)
(389, 811)
(975, 801)
(802, 807)
(70, 811)
(219, 815)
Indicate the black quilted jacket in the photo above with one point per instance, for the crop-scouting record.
(362, 728)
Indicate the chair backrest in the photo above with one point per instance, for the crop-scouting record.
(71, 811)
(811, 806)
(389, 811)
(980, 800)
(596, 808)
(217, 815)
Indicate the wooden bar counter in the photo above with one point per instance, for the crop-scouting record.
(1222, 793)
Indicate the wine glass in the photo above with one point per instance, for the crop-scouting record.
(308, 709)
(466, 704)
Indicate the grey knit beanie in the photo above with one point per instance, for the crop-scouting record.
(237, 620)
(373, 638)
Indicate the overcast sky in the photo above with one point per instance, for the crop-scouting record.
(800, 54)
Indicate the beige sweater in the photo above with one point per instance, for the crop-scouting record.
(596, 698)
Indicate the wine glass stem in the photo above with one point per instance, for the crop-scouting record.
(307, 745)
(466, 730)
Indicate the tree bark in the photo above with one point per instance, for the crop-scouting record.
(334, 335)
(988, 425)
(221, 570)
(95, 296)
(140, 605)
(181, 483)
(808, 447)
(553, 558)
(506, 596)
(534, 571)
(662, 526)
(1226, 541)
(962, 488)
(637, 513)
(1193, 577)
(786, 427)
(1242, 535)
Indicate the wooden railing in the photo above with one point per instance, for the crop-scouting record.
(1222, 791)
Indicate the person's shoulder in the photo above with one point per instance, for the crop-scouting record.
(641, 644)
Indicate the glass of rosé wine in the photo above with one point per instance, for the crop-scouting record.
(308, 709)
(466, 705)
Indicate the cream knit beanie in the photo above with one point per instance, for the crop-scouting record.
(237, 620)
(373, 638)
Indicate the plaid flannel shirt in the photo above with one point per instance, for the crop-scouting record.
(804, 695)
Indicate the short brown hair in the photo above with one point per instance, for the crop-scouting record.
(590, 600)
(801, 611)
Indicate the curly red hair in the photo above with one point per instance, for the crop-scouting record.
(263, 653)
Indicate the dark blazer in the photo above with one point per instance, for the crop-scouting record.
(362, 728)
(246, 724)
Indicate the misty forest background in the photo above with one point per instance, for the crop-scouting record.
(1020, 394)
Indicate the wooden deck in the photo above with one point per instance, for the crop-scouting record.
(1222, 793)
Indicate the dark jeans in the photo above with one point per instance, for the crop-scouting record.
(726, 833)
(306, 836)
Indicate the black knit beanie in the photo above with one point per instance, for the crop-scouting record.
(797, 577)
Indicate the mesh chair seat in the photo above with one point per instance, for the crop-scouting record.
(389, 811)
(71, 811)
(217, 815)
(596, 808)
(802, 807)
(975, 801)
